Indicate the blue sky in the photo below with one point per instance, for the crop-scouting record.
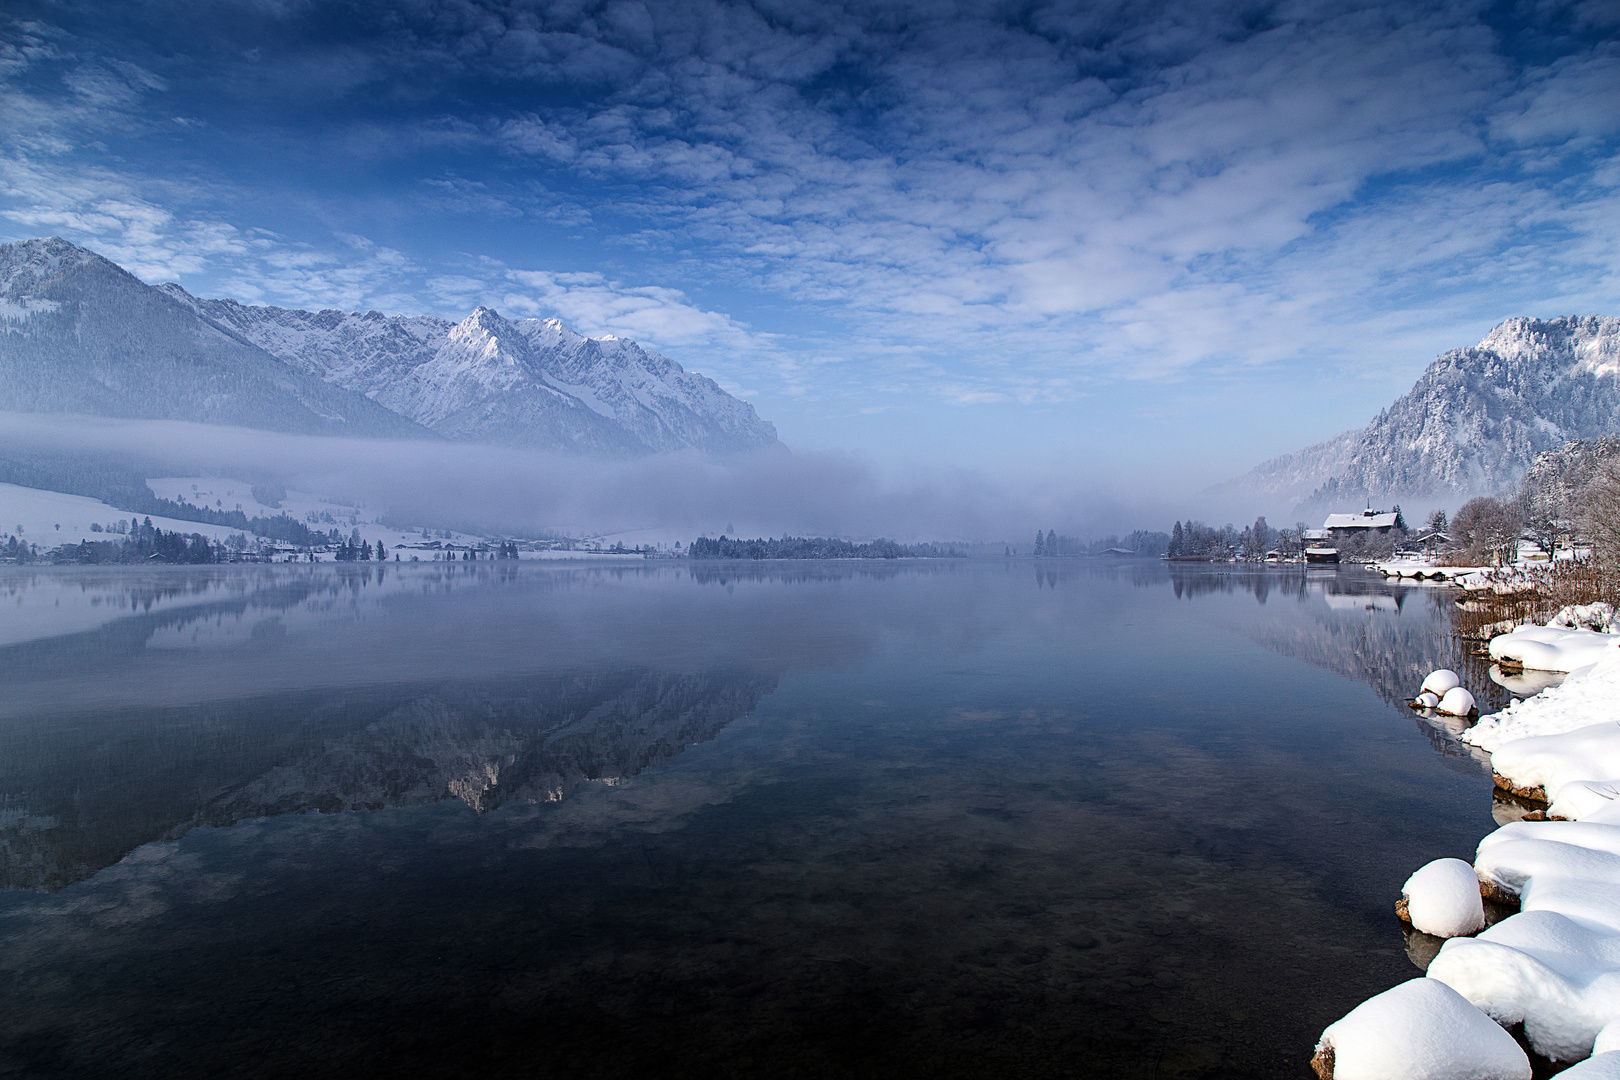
(1151, 242)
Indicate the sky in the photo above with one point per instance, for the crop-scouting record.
(1148, 244)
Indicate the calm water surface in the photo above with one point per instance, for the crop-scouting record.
(931, 819)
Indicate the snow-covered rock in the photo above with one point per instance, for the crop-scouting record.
(1426, 700)
(1553, 648)
(1443, 899)
(1420, 1030)
(1587, 800)
(1438, 682)
(1558, 976)
(1549, 762)
(1456, 702)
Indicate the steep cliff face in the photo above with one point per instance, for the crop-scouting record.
(512, 382)
(1472, 423)
(1478, 416)
(80, 335)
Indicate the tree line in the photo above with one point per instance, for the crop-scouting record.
(1142, 542)
(1195, 540)
(1568, 495)
(145, 543)
(811, 547)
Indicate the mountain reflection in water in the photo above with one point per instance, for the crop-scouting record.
(917, 818)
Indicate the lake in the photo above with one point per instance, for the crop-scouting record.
(924, 818)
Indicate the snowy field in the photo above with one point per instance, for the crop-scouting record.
(50, 518)
(320, 513)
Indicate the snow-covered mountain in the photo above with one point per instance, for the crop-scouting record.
(79, 334)
(1289, 479)
(1471, 425)
(513, 382)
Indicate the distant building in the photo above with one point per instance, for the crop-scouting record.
(1319, 547)
(1344, 526)
(1431, 542)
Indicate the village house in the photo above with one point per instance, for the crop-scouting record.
(1365, 523)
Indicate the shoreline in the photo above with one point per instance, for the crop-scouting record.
(1543, 969)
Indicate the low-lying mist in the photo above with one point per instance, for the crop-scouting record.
(495, 490)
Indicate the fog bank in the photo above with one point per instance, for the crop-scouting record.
(500, 490)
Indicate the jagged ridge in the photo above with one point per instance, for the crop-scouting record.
(1471, 424)
(515, 382)
(79, 334)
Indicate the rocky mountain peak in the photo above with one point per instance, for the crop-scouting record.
(1470, 425)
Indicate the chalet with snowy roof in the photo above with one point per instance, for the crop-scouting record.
(1344, 526)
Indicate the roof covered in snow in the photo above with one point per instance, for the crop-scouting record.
(1366, 519)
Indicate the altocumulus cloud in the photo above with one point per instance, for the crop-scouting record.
(975, 202)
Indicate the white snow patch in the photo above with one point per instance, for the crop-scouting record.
(1456, 702)
(1586, 697)
(1559, 977)
(1554, 648)
(1422, 1030)
(1442, 899)
(1588, 800)
(1552, 761)
(1438, 682)
(51, 518)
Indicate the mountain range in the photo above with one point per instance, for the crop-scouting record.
(1470, 425)
(79, 334)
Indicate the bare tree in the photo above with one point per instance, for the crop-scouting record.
(1487, 529)
(1601, 501)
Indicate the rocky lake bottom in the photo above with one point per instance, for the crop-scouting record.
(931, 818)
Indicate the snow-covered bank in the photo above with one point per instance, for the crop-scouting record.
(1553, 648)
(1552, 968)
(1590, 695)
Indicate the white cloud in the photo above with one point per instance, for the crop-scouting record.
(975, 204)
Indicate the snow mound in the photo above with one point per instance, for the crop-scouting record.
(1438, 682)
(1512, 864)
(1597, 1067)
(1587, 800)
(1443, 899)
(1588, 696)
(1421, 1030)
(1425, 700)
(1457, 702)
(1554, 648)
(1608, 1040)
(1557, 976)
(1594, 902)
(1590, 753)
